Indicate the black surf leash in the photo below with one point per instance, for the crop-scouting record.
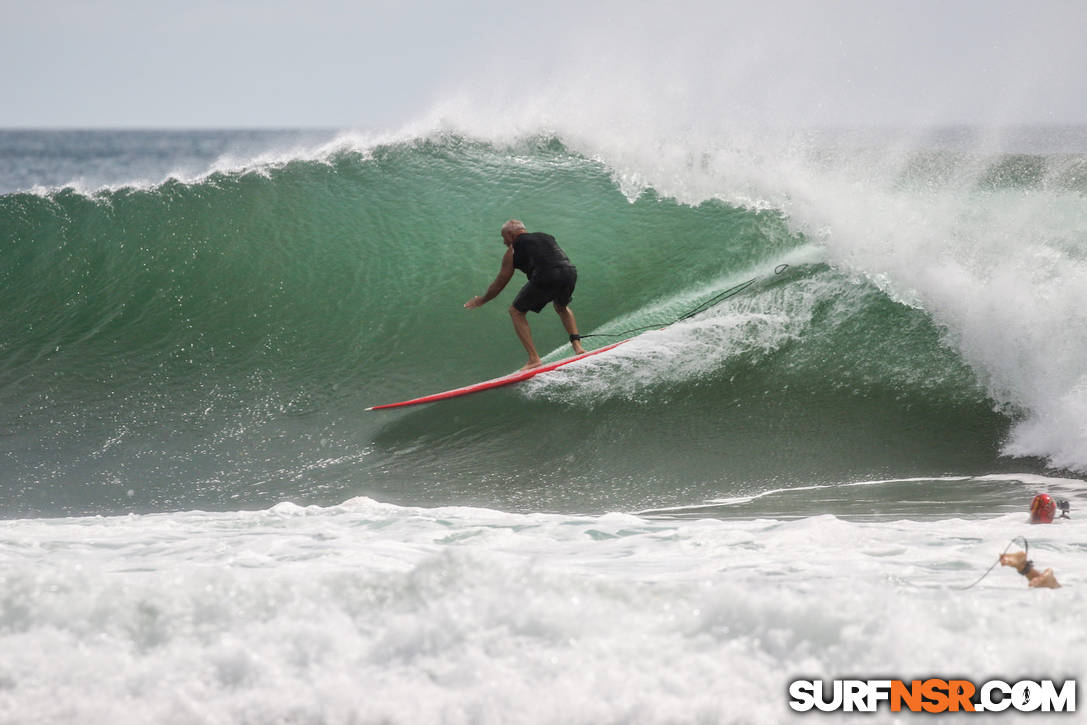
(1026, 550)
(715, 300)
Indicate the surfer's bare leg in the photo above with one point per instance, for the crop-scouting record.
(568, 321)
(524, 334)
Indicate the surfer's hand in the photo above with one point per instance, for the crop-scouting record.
(473, 303)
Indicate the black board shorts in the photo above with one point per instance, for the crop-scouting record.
(555, 286)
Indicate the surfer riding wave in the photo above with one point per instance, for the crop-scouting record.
(551, 278)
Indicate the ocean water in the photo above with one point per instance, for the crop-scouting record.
(201, 523)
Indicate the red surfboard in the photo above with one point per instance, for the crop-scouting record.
(510, 379)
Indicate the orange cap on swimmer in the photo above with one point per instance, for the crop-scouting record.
(1042, 509)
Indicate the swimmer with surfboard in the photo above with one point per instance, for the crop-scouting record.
(551, 278)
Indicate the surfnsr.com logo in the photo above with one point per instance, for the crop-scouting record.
(932, 695)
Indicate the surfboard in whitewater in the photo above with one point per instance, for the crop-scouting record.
(517, 377)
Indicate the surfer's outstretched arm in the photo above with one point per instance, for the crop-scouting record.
(505, 273)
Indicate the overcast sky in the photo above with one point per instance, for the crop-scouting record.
(319, 63)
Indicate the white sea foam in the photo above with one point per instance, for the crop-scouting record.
(369, 612)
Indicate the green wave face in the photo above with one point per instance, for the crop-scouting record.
(214, 344)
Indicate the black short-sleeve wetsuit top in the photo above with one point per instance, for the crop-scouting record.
(551, 276)
(539, 256)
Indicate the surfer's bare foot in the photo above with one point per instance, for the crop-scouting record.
(578, 349)
(532, 364)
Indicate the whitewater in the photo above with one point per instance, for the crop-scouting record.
(369, 612)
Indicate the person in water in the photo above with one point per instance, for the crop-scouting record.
(551, 278)
(1044, 507)
(1041, 579)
